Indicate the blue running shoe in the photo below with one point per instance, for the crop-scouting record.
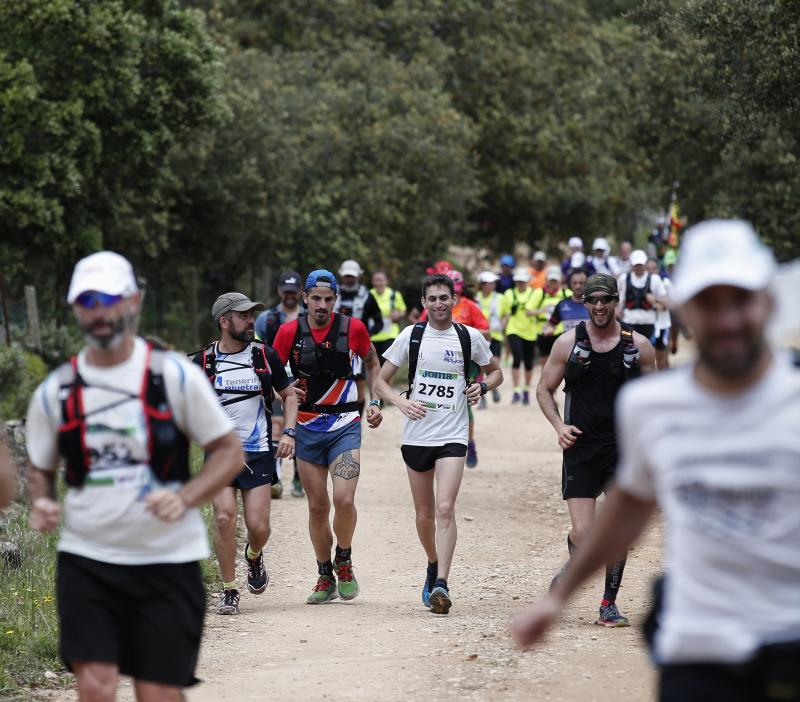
(426, 594)
(440, 600)
(610, 616)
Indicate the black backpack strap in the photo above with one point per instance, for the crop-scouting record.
(466, 352)
(413, 352)
(342, 322)
(207, 360)
(264, 373)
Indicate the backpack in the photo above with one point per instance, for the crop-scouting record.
(167, 444)
(577, 367)
(636, 298)
(207, 360)
(414, 345)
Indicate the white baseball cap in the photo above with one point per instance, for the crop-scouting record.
(487, 277)
(522, 275)
(350, 267)
(554, 273)
(105, 272)
(601, 243)
(638, 258)
(721, 252)
(575, 242)
(540, 256)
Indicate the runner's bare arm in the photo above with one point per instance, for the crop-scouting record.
(647, 354)
(288, 397)
(552, 376)
(616, 528)
(493, 379)
(45, 511)
(374, 416)
(412, 410)
(224, 459)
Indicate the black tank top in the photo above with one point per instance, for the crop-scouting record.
(589, 404)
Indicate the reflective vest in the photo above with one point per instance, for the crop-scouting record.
(543, 299)
(492, 308)
(519, 323)
(389, 302)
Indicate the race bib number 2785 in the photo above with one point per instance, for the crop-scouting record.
(436, 390)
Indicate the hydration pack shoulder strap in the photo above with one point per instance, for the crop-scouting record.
(416, 340)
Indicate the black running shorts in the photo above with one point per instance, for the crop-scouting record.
(545, 344)
(587, 470)
(148, 619)
(423, 458)
(259, 469)
(496, 347)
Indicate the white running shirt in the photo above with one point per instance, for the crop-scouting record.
(107, 519)
(726, 473)
(439, 384)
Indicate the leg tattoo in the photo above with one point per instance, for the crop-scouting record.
(347, 467)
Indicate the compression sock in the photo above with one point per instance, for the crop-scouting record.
(440, 582)
(432, 572)
(229, 586)
(325, 568)
(250, 554)
(613, 580)
(343, 554)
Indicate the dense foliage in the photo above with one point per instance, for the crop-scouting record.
(216, 141)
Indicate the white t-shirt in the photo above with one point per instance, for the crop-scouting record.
(439, 384)
(106, 519)
(663, 317)
(726, 473)
(639, 281)
(234, 371)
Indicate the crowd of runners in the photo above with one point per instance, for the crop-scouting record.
(290, 385)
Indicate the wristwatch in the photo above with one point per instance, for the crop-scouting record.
(376, 403)
(288, 431)
(484, 389)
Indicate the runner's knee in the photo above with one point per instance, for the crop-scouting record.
(319, 509)
(344, 501)
(445, 511)
(425, 519)
(96, 685)
(224, 520)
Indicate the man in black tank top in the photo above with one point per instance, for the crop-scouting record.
(593, 360)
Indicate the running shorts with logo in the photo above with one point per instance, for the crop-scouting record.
(423, 458)
(108, 614)
(587, 469)
(258, 470)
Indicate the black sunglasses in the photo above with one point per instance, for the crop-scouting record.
(597, 299)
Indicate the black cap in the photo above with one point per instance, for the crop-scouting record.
(289, 281)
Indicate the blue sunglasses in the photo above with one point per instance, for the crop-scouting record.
(91, 299)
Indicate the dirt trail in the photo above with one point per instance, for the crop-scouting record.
(385, 645)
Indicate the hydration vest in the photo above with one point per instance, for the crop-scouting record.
(320, 364)
(636, 298)
(352, 306)
(167, 445)
(578, 364)
(466, 353)
(207, 360)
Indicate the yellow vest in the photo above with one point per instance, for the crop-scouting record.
(542, 299)
(519, 323)
(494, 309)
(390, 301)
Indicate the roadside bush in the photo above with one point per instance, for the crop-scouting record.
(20, 373)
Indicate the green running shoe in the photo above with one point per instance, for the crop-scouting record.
(324, 591)
(348, 585)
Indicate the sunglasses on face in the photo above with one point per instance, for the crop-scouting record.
(91, 299)
(597, 299)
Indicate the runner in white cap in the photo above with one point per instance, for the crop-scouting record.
(120, 414)
(641, 294)
(521, 333)
(494, 307)
(601, 259)
(715, 444)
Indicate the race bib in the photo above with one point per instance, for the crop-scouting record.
(436, 390)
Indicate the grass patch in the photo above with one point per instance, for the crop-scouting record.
(28, 619)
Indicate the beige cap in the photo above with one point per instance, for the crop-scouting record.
(234, 302)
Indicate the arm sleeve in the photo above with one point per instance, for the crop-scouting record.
(634, 473)
(359, 337)
(372, 315)
(284, 339)
(41, 427)
(194, 403)
(279, 378)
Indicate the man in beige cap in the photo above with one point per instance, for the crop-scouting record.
(246, 374)
(121, 413)
(715, 444)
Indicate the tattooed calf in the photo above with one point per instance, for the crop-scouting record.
(347, 466)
